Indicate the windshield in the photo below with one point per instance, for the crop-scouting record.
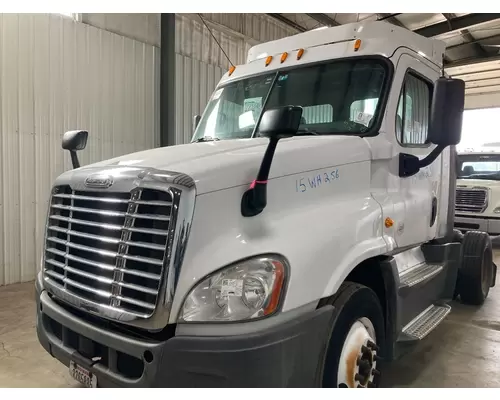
(337, 98)
(481, 166)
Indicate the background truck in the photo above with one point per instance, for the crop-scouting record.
(478, 191)
(304, 237)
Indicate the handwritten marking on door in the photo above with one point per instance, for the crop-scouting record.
(316, 180)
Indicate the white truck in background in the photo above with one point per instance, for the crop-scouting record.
(303, 239)
(478, 191)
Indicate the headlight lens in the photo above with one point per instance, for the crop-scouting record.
(249, 289)
(497, 210)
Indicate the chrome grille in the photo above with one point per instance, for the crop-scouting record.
(471, 199)
(109, 247)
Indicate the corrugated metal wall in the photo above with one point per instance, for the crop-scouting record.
(200, 63)
(57, 74)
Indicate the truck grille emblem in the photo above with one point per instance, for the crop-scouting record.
(99, 181)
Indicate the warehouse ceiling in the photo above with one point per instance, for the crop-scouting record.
(472, 40)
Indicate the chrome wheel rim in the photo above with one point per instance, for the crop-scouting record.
(358, 359)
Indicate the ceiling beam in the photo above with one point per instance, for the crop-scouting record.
(495, 39)
(324, 19)
(288, 22)
(456, 24)
(480, 51)
(391, 18)
(482, 82)
(479, 90)
(471, 61)
(466, 76)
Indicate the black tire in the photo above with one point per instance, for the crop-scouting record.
(352, 302)
(475, 275)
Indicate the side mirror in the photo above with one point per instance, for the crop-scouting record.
(279, 123)
(196, 121)
(275, 124)
(74, 141)
(445, 128)
(447, 112)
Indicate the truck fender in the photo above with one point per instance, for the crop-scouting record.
(372, 251)
(388, 299)
(358, 254)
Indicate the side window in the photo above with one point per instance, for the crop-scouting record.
(412, 117)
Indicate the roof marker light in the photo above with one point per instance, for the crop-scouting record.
(231, 70)
(357, 44)
(268, 60)
(299, 54)
(283, 57)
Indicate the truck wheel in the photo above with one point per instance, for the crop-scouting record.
(475, 275)
(352, 356)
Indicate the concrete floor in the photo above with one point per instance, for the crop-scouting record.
(463, 351)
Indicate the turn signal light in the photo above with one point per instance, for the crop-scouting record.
(357, 44)
(389, 222)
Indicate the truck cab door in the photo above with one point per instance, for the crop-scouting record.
(416, 197)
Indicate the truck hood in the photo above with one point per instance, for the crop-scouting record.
(478, 182)
(228, 163)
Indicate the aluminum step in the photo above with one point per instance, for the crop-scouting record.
(425, 322)
(418, 274)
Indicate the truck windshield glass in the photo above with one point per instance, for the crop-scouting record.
(341, 97)
(481, 166)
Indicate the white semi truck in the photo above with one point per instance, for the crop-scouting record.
(303, 238)
(478, 191)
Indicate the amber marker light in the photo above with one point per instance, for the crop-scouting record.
(357, 44)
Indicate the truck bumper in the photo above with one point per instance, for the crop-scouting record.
(488, 225)
(288, 355)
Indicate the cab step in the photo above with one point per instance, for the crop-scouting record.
(425, 322)
(421, 273)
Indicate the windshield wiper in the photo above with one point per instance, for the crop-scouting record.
(206, 139)
(305, 131)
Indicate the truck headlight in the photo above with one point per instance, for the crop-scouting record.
(249, 289)
(497, 210)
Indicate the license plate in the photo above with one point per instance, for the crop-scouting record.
(85, 377)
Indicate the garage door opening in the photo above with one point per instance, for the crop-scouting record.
(480, 128)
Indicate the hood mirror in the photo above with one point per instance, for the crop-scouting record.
(74, 141)
(275, 124)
